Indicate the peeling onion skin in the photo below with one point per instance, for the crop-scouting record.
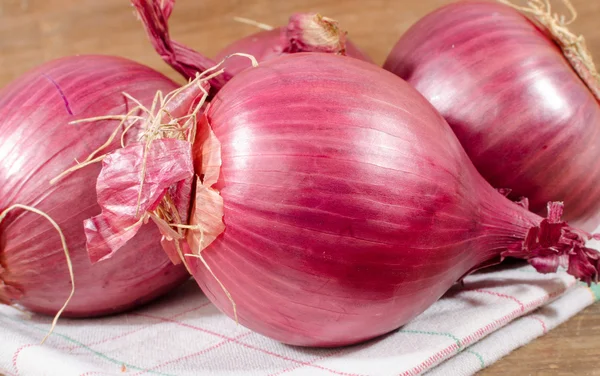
(525, 118)
(36, 144)
(346, 219)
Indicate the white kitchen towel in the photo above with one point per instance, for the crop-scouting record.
(471, 327)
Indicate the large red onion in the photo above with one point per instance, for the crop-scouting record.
(304, 33)
(526, 119)
(37, 143)
(349, 205)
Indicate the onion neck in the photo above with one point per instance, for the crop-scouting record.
(500, 224)
(313, 33)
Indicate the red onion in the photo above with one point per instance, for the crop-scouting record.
(349, 205)
(37, 143)
(526, 119)
(304, 33)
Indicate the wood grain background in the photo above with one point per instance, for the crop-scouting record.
(34, 31)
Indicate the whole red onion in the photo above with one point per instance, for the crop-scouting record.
(349, 205)
(37, 143)
(304, 33)
(526, 119)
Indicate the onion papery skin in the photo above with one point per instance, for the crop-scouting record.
(37, 143)
(525, 118)
(266, 45)
(349, 205)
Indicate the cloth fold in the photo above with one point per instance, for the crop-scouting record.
(471, 327)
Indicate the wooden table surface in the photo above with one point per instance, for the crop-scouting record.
(34, 31)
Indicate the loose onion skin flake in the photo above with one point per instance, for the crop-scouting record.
(38, 143)
(526, 119)
(349, 205)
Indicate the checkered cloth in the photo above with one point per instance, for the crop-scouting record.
(184, 334)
